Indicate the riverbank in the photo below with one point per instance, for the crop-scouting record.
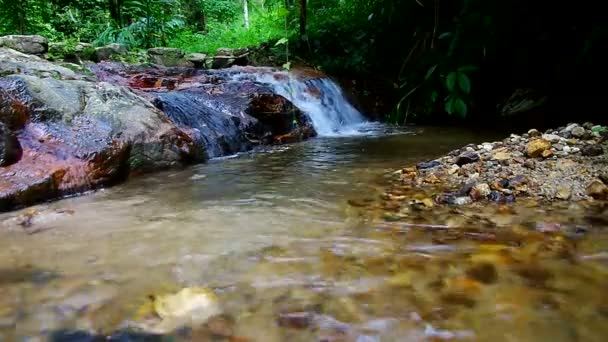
(567, 163)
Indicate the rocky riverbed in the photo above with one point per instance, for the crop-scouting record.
(567, 163)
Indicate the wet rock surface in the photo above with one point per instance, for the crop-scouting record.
(562, 164)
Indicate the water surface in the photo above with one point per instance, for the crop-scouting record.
(273, 234)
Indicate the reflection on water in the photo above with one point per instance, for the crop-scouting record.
(271, 232)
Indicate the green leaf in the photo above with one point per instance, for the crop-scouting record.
(287, 66)
(449, 105)
(434, 96)
(599, 129)
(445, 35)
(430, 72)
(460, 107)
(468, 68)
(282, 41)
(464, 83)
(450, 81)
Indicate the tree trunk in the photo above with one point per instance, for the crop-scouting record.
(303, 19)
(114, 6)
(246, 13)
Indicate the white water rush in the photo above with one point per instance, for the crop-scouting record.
(319, 98)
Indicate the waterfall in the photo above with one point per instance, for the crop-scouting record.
(320, 98)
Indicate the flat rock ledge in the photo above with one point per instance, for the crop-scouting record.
(565, 164)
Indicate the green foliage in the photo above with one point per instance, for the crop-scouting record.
(263, 28)
(221, 11)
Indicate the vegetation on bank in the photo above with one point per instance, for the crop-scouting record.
(426, 59)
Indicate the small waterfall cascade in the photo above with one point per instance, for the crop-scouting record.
(320, 98)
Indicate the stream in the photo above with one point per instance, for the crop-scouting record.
(289, 240)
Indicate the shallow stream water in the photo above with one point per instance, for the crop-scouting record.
(283, 240)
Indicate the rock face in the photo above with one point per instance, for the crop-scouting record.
(62, 133)
(78, 135)
(10, 150)
(32, 45)
(15, 62)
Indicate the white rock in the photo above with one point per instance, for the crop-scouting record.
(487, 146)
(567, 149)
(570, 127)
(552, 137)
(575, 149)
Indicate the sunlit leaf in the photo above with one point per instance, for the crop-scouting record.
(287, 66)
(281, 41)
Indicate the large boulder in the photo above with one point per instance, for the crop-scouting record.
(32, 45)
(77, 135)
(199, 60)
(109, 51)
(15, 62)
(169, 57)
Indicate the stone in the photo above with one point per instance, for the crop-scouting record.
(558, 147)
(428, 165)
(31, 45)
(536, 147)
(592, 150)
(15, 62)
(453, 169)
(501, 156)
(552, 137)
(547, 154)
(467, 158)
(563, 193)
(169, 57)
(597, 190)
(533, 133)
(588, 125)
(107, 52)
(10, 149)
(570, 127)
(480, 191)
(197, 59)
(604, 177)
(567, 149)
(487, 146)
(578, 132)
(462, 200)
